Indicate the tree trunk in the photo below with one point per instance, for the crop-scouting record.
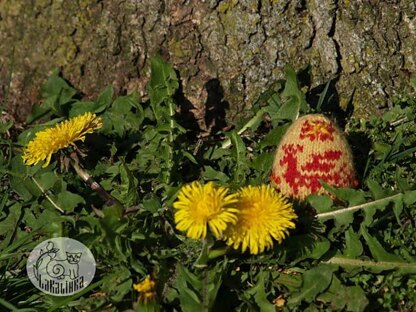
(232, 48)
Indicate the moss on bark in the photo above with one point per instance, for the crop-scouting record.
(243, 44)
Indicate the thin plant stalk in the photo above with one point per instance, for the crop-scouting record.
(94, 185)
(55, 205)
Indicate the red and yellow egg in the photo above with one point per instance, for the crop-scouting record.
(312, 149)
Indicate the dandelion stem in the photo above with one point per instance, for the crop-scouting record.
(203, 258)
(333, 214)
(227, 143)
(47, 196)
(95, 186)
(379, 265)
(171, 139)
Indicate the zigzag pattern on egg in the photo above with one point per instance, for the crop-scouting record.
(312, 149)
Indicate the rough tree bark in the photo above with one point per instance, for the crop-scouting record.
(238, 47)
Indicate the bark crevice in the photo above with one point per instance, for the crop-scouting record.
(244, 44)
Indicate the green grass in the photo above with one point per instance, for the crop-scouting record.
(358, 254)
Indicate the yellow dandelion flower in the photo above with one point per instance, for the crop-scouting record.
(263, 215)
(279, 302)
(200, 205)
(62, 135)
(147, 290)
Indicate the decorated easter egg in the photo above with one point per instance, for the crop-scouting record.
(312, 149)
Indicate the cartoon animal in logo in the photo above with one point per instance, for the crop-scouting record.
(57, 268)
